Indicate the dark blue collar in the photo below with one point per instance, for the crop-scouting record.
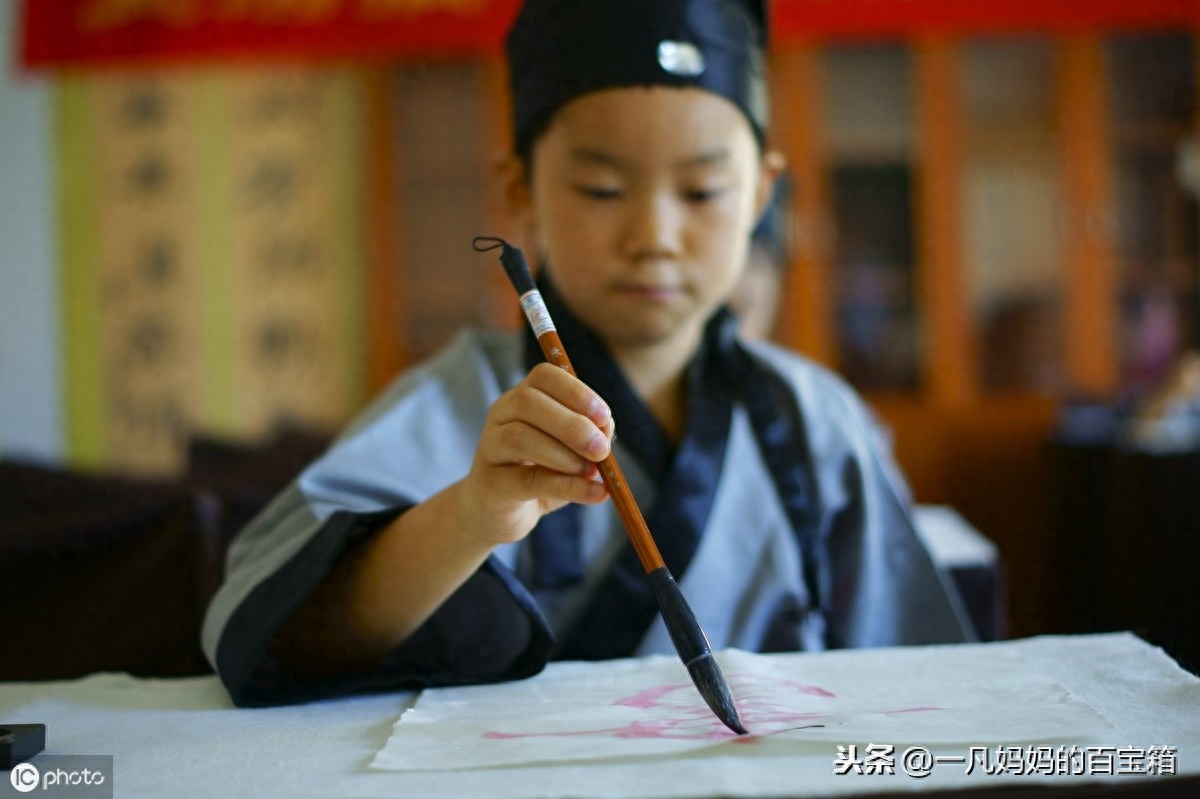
(685, 477)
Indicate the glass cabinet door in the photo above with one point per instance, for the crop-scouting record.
(869, 128)
(1157, 175)
(1013, 246)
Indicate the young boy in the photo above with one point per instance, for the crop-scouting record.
(459, 533)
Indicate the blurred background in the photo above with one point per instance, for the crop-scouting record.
(230, 223)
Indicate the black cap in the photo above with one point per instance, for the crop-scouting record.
(561, 49)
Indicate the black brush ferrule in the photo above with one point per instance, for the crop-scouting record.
(692, 645)
(689, 639)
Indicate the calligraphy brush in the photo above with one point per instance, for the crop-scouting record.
(690, 641)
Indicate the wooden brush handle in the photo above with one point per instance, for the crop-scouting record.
(610, 471)
(686, 633)
(517, 269)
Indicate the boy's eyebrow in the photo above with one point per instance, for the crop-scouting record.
(705, 159)
(595, 156)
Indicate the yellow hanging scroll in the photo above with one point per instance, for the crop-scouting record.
(211, 258)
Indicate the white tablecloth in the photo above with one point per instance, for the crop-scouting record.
(182, 738)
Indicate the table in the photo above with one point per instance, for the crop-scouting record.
(182, 738)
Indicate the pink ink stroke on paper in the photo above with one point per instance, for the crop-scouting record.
(677, 712)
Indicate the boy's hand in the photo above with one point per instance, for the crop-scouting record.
(538, 451)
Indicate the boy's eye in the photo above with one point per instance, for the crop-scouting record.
(598, 192)
(701, 195)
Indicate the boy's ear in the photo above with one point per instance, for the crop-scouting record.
(770, 170)
(514, 182)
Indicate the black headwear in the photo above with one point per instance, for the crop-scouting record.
(561, 49)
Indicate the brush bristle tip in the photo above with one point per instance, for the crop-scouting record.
(711, 684)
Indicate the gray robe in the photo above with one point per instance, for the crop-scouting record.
(880, 586)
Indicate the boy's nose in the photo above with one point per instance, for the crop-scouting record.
(653, 228)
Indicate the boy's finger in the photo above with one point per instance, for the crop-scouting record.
(518, 442)
(553, 486)
(570, 391)
(529, 405)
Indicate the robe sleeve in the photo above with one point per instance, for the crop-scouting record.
(414, 441)
(879, 585)
(886, 589)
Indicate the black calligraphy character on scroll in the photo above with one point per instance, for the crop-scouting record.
(288, 257)
(272, 181)
(148, 341)
(151, 417)
(149, 175)
(284, 342)
(144, 107)
(281, 99)
(157, 267)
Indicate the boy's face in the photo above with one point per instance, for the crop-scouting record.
(643, 200)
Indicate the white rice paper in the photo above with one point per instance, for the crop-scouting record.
(790, 703)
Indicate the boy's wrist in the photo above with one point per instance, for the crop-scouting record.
(471, 522)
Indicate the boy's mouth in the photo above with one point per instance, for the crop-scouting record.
(650, 291)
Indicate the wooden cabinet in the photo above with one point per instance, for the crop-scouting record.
(995, 225)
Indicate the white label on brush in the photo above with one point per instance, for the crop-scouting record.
(536, 313)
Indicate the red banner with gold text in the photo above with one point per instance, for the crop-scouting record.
(64, 33)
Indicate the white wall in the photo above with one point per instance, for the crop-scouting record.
(30, 385)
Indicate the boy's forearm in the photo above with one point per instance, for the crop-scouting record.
(381, 591)
(410, 569)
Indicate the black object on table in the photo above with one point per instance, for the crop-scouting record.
(19, 742)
